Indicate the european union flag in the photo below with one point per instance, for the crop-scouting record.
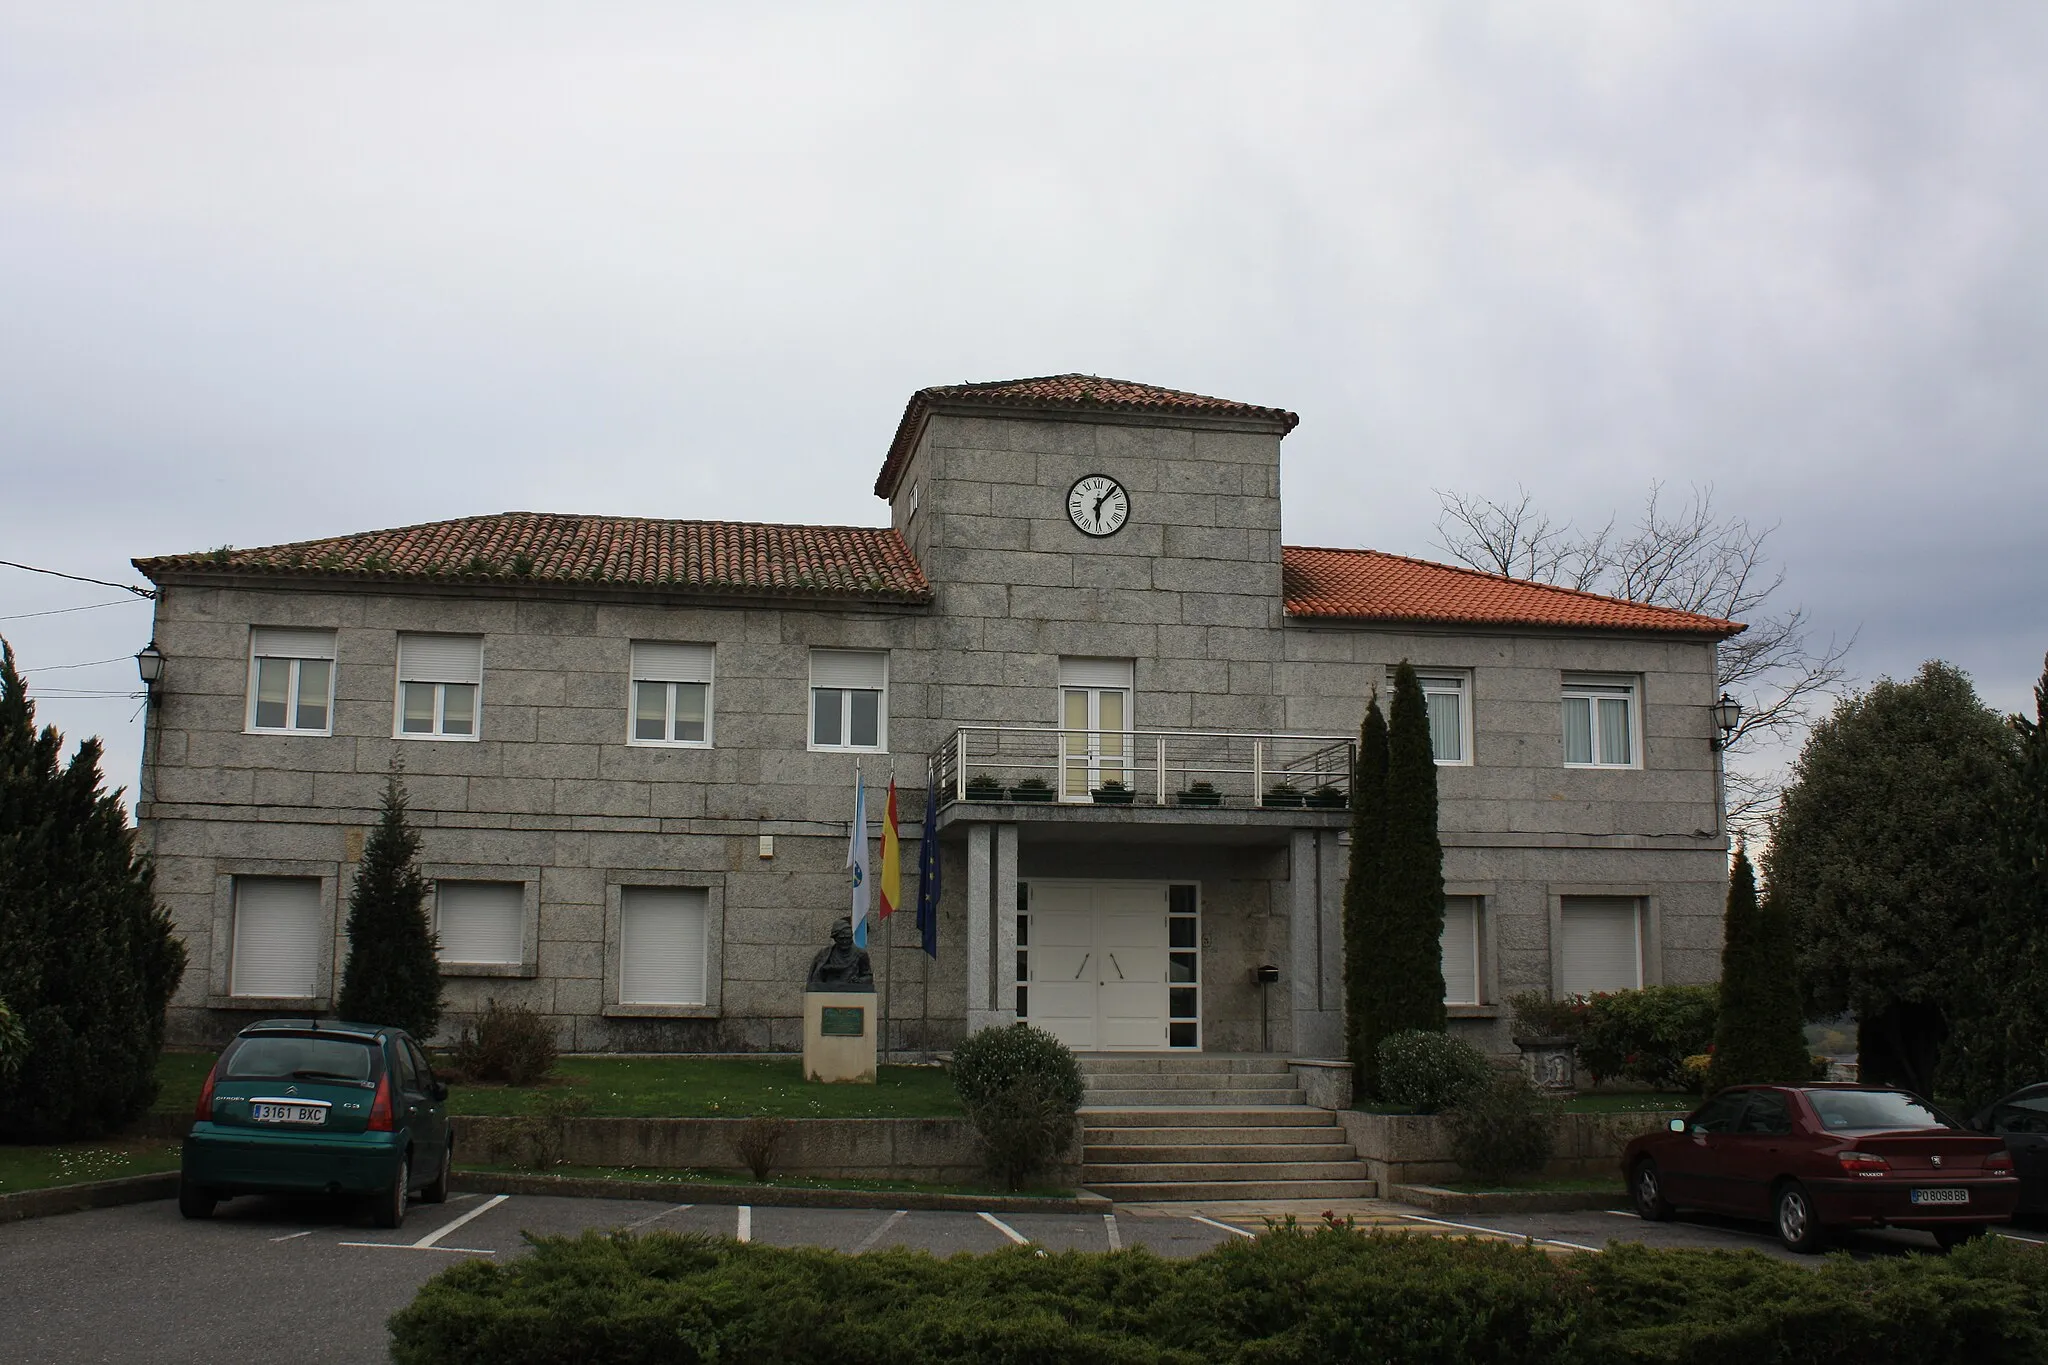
(928, 870)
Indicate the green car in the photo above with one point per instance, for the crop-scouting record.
(308, 1106)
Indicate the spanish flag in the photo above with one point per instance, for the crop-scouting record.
(892, 858)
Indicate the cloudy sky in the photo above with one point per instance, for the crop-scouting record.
(270, 272)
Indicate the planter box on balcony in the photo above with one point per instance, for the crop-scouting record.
(1207, 799)
(1326, 801)
(1284, 800)
(989, 791)
(1106, 796)
(1032, 794)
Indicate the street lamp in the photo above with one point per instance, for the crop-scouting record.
(1727, 713)
(149, 662)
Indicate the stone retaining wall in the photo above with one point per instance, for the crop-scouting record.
(1415, 1149)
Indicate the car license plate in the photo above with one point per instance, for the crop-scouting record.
(306, 1113)
(1947, 1196)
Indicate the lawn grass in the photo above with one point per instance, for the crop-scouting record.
(76, 1163)
(667, 1175)
(1630, 1102)
(660, 1087)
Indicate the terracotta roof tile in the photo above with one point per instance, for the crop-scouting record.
(738, 558)
(1367, 585)
(1064, 391)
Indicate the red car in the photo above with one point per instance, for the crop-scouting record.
(1815, 1157)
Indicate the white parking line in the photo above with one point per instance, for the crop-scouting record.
(745, 1230)
(873, 1237)
(1498, 1232)
(655, 1217)
(1225, 1226)
(290, 1235)
(408, 1246)
(1116, 1239)
(1000, 1226)
(2031, 1241)
(479, 1211)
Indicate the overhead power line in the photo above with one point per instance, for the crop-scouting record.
(149, 593)
(60, 611)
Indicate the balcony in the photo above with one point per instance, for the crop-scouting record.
(1187, 770)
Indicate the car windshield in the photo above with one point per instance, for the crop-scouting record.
(305, 1058)
(1867, 1109)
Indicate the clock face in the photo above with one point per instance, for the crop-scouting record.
(1098, 505)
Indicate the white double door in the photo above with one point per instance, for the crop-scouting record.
(1098, 961)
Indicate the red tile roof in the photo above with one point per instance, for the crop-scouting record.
(1086, 392)
(721, 557)
(1366, 585)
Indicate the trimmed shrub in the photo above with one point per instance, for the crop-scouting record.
(1760, 1038)
(13, 1041)
(1427, 1072)
(1645, 1036)
(1538, 1016)
(1021, 1088)
(391, 975)
(1501, 1128)
(758, 1141)
(508, 1043)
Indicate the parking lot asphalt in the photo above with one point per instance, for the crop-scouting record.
(311, 1280)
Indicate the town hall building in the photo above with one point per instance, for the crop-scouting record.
(630, 747)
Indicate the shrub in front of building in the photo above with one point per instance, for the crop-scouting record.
(1644, 1036)
(1364, 1023)
(1760, 1038)
(13, 1041)
(88, 960)
(1501, 1129)
(1292, 1295)
(1428, 1072)
(391, 975)
(1021, 1088)
(508, 1043)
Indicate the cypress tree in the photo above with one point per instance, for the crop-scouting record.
(1363, 1028)
(88, 961)
(1760, 1038)
(391, 976)
(1412, 868)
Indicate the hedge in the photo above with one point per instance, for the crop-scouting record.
(1291, 1297)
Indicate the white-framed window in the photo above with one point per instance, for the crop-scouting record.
(1095, 724)
(1603, 944)
(1461, 950)
(480, 923)
(662, 944)
(291, 681)
(1448, 695)
(440, 686)
(1602, 722)
(850, 700)
(276, 948)
(671, 701)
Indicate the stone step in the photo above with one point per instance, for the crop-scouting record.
(1151, 1192)
(1123, 1065)
(1216, 1153)
(1210, 1172)
(1189, 1080)
(1301, 1135)
(1098, 1115)
(1141, 1098)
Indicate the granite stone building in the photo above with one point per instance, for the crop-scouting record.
(631, 743)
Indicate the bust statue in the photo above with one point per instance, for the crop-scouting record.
(840, 966)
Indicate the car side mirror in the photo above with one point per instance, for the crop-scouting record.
(1678, 1125)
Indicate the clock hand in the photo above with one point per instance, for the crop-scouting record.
(1100, 498)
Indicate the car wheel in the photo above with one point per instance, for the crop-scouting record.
(1647, 1185)
(1798, 1224)
(194, 1201)
(389, 1210)
(1954, 1236)
(437, 1192)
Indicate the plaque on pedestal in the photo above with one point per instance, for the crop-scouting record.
(840, 1023)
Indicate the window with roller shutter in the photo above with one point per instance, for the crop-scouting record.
(291, 681)
(1603, 944)
(849, 700)
(440, 686)
(671, 694)
(1461, 950)
(662, 945)
(277, 933)
(480, 923)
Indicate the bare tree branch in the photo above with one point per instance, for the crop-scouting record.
(1692, 559)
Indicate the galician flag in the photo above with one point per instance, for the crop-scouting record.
(892, 858)
(857, 859)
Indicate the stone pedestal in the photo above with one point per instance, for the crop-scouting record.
(1551, 1064)
(840, 1029)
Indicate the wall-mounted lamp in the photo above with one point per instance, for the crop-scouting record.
(1727, 713)
(149, 662)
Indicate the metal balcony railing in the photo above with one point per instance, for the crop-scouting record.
(1192, 768)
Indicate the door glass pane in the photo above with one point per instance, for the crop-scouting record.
(650, 710)
(1181, 1035)
(690, 709)
(1111, 709)
(1614, 736)
(1181, 1002)
(1578, 730)
(313, 694)
(825, 703)
(419, 709)
(273, 683)
(867, 719)
(458, 709)
(1180, 967)
(1180, 932)
(1446, 728)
